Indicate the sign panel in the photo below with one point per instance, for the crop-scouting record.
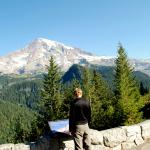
(59, 126)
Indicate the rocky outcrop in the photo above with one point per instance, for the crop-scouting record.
(120, 138)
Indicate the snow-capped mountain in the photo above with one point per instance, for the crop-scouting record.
(34, 57)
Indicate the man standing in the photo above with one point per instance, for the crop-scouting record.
(79, 117)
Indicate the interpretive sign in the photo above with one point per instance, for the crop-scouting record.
(59, 126)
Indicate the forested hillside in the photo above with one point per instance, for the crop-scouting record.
(25, 90)
(107, 72)
(20, 97)
(22, 90)
(17, 123)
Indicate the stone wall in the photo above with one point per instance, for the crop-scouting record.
(120, 138)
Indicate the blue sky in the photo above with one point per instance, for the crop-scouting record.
(95, 26)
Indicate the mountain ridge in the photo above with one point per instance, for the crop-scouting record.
(35, 56)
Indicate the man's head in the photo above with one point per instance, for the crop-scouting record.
(78, 93)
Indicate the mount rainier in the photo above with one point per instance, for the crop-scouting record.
(35, 56)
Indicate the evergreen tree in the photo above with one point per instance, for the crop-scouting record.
(86, 82)
(18, 124)
(143, 90)
(101, 103)
(126, 91)
(51, 93)
(68, 90)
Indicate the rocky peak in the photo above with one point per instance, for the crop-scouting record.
(34, 57)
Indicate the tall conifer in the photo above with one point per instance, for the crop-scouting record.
(51, 93)
(86, 82)
(101, 103)
(126, 91)
(68, 90)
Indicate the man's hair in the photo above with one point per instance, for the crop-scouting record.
(77, 91)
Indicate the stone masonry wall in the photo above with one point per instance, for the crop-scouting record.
(120, 138)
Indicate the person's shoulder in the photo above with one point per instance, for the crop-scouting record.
(85, 100)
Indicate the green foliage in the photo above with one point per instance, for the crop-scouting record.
(86, 82)
(101, 99)
(68, 90)
(74, 72)
(18, 124)
(126, 91)
(20, 94)
(143, 90)
(143, 79)
(146, 106)
(107, 72)
(24, 90)
(96, 90)
(51, 98)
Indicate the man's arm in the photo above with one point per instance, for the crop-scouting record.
(89, 112)
(71, 119)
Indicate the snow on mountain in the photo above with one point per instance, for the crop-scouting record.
(34, 57)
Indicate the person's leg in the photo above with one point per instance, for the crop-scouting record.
(78, 137)
(86, 138)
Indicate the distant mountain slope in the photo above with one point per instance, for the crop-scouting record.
(107, 73)
(25, 90)
(33, 58)
(22, 90)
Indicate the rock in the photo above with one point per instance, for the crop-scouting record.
(99, 147)
(114, 137)
(96, 137)
(121, 138)
(139, 141)
(116, 148)
(22, 147)
(128, 146)
(67, 144)
(7, 147)
(134, 134)
(145, 127)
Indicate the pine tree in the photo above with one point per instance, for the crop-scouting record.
(68, 91)
(86, 82)
(101, 103)
(143, 90)
(51, 93)
(126, 91)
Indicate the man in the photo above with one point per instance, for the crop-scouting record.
(79, 117)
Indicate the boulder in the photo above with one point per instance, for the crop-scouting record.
(116, 148)
(114, 137)
(99, 147)
(128, 146)
(22, 147)
(7, 147)
(134, 134)
(145, 128)
(96, 137)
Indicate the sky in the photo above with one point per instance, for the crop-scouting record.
(96, 26)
